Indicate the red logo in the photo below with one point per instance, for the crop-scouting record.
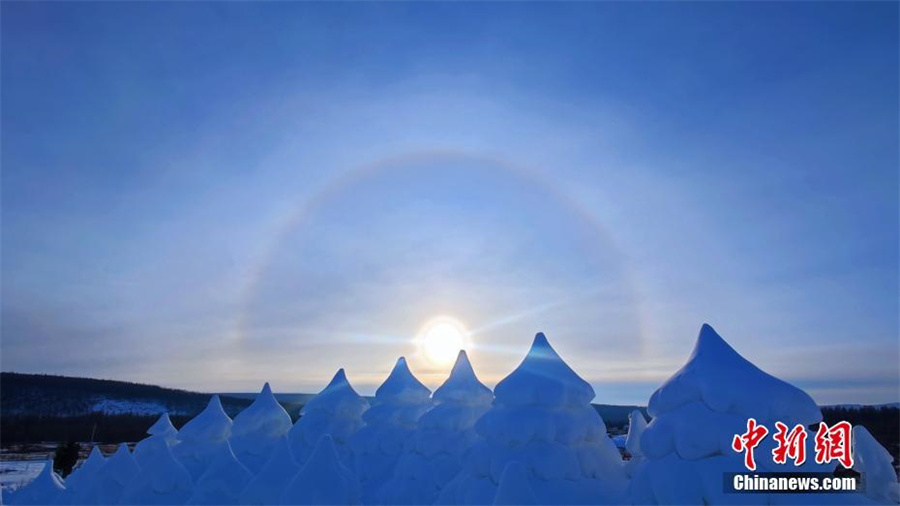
(748, 441)
(832, 443)
(791, 445)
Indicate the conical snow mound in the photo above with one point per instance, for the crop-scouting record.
(720, 378)
(162, 480)
(257, 428)
(544, 378)
(117, 471)
(541, 418)
(399, 402)
(463, 386)
(163, 427)
(81, 481)
(636, 426)
(45, 489)
(323, 480)
(211, 425)
(432, 455)
(271, 481)
(875, 464)
(223, 480)
(200, 437)
(337, 410)
(162, 430)
(401, 386)
(696, 414)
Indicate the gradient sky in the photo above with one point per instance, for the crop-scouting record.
(211, 195)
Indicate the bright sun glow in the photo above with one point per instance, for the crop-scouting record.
(441, 339)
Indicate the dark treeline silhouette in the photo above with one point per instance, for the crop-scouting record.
(48, 395)
(96, 427)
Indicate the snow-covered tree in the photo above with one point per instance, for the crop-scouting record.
(257, 428)
(223, 480)
(46, 488)
(117, 471)
(875, 465)
(399, 402)
(543, 419)
(201, 436)
(162, 480)
(697, 413)
(274, 477)
(337, 410)
(432, 456)
(323, 480)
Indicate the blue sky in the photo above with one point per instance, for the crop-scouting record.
(211, 195)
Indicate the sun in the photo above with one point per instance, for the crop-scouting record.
(441, 339)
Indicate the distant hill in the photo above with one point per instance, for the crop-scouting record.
(44, 395)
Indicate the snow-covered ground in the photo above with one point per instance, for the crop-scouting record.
(124, 407)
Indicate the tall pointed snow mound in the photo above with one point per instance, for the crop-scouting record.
(542, 418)
(337, 410)
(199, 438)
(162, 480)
(82, 478)
(272, 480)
(431, 457)
(463, 386)
(212, 424)
(399, 402)
(875, 464)
(696, 414)
(636, 426)
(163, 430)
(257, 428)
(401, 386)
(323, 480)
(544, 378)
(719, 377)
(223, 480)
(514, 489)
(163, 427)
(44, 489)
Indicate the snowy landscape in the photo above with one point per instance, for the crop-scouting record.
(535, 439)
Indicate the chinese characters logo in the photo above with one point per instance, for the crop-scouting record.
(831, 443)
